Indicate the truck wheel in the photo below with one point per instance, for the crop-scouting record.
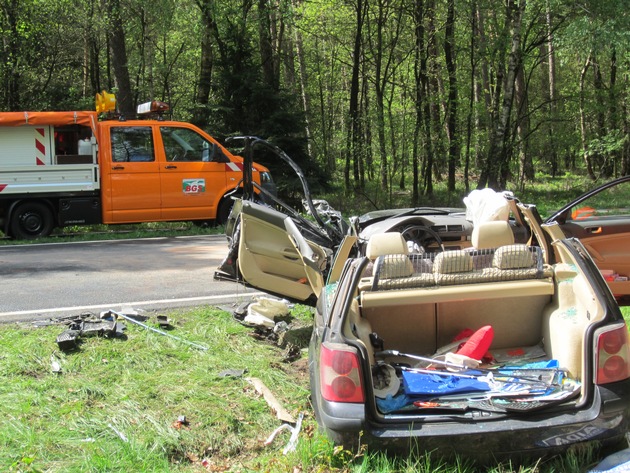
(31, 220)
(223, 212)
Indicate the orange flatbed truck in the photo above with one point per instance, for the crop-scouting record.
(74, 168)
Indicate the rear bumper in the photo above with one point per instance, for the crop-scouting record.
(534, 434)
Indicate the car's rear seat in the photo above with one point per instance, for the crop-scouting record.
(420, 302)
(455, 267)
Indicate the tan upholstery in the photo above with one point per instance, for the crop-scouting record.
(492, 235)
(513, 257)
(394, 266)
(391, 243)
(456, 261)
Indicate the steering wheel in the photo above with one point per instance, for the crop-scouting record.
(420, 237)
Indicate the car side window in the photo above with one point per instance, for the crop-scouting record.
(611, 203)
(132, 144)
(183, 144)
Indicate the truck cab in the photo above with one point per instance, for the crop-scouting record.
(165, 170)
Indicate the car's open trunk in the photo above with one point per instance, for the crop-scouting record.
(421, 305)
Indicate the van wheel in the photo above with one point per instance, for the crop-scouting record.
(223, 212)
(31, 220)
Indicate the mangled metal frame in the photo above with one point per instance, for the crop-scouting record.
(327, 233)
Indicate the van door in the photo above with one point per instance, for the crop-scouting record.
(192, 174)
(134, 191)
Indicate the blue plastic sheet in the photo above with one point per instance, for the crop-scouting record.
(435, 385)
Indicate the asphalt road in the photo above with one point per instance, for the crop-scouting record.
(46, 280)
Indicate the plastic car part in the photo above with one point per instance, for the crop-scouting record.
(612, 355)
(340, 373)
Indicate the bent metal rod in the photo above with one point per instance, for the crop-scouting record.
(456, 366)
(137, 322)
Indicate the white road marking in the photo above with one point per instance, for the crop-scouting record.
(138, 304)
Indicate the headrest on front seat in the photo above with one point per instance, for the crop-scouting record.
(492, 235)
(391, 243)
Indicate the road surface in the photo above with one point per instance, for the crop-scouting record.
(46, 280)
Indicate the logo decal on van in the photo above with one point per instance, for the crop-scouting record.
(193, 186)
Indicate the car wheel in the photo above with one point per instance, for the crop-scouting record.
(31, 220)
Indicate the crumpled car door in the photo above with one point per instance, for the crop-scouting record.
(274, 257)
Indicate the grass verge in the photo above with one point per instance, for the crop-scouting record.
(120, 232)
(117, 404)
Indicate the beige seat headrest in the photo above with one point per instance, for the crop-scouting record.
(492, 235)
(391, 243)
(394, 266)
(513, 257)
(453, 261)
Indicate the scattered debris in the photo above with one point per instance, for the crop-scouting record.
(281, 331)
(119, 433)
(263, 312)
(232, 373)
(107, 325)
(292, 353)
(180, 422)
(276, 407)
(280, 327)
(153, 329)
(55, 366)
(258, 320)
(295, 431)
(87, 325)
(163, 321)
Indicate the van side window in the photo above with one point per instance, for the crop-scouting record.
(132, 144)
(182, 144)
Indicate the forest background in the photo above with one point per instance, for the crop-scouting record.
(376, 98)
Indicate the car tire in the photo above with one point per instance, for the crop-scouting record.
(31, 220)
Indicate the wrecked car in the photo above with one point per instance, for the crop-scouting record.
(443, 330)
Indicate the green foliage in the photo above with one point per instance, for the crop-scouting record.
(56, 57)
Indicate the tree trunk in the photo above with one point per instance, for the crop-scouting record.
(526, 171)
(585, 154)
(204, 84)
(268, 57)
(119, 57)
(473, 88)
(353, 130)
(11, 56)
(434, 91)
(451, 122)
(497, 166)
(551, 63)
(306, 106)
(614, 158)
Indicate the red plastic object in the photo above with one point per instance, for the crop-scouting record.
(478, 344)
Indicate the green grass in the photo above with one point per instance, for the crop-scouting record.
(120, 232)
(115, 405)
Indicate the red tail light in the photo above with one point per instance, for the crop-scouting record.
(340, 373)
(612, 355)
